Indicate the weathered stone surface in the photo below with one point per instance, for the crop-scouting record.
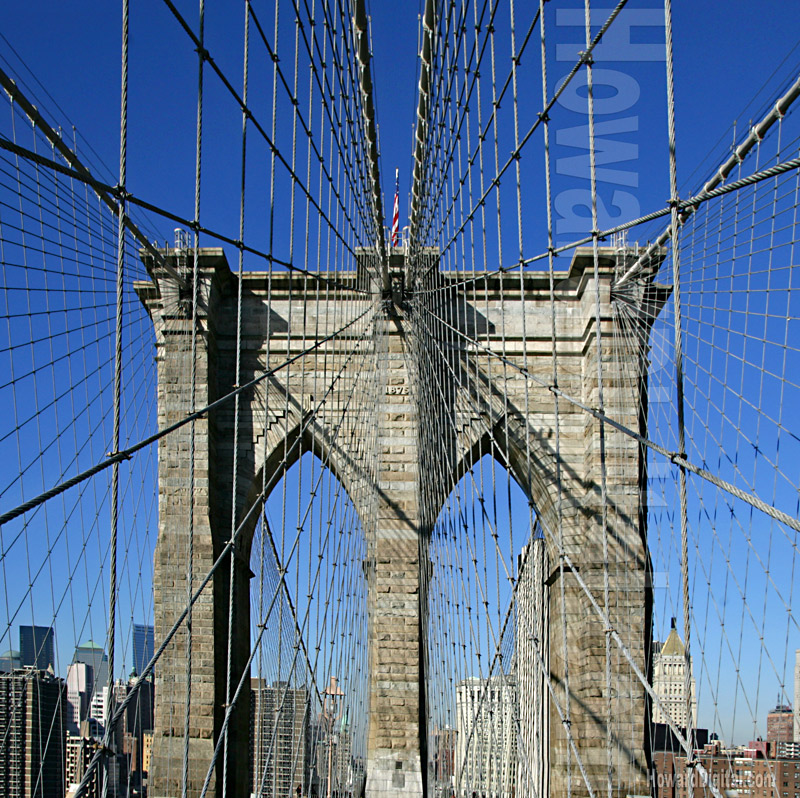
(275, 428)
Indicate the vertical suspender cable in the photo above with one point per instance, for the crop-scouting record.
(679, 392)
(544, 777)
(236, 406)
(193, 396)
(121, 212)
(587, 58)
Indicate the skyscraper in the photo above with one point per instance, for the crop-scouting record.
(10, 660)
(80, 679)
(797, 695)
(142, 646)
(36, 646)
(669, 683)
(33, 713)
(780, 724)
(279, 756)
(94, 655)
(136, 722)
(486, 747)
(531, 664)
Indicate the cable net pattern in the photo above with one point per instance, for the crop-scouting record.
(509, 509)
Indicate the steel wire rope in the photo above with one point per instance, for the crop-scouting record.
(675, 457)
(133, 200)
(495, 182)
(599, 355)
(292, 94)
(36, 119)
(446, 92)
(226, 550)
(38, 651)
(237, 379)
(115, 439)
(492, 117)
(270, 141)
(697, 200)
(126, 453)
(555, 381)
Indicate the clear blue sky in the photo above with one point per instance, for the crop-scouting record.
(724, 55)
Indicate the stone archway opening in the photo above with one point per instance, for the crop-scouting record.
(308, 629)
(486, 647)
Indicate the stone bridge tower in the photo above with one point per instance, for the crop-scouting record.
(405, 510)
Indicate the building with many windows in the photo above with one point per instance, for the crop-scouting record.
(486, 727)
(532, 661)
(669, 683)
(36, 647)
(279, 744)
(33, 715)
(731, 772)
(780, 724)
(797, 695)
(142, 646)
(92, 654)
(79, 693)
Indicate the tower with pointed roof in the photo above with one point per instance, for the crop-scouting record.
(669, 682)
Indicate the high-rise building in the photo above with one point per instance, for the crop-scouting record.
(10, 661)
(98, 707)
(143, 647)
(147, 750)
(780, 724)
(36, 647)
(530, 665)
(136, 722)
(33, 717)
(486, 748)
(94, 655)
(669, 683)
(797, 695)
(279, 750)
(80, 751)
(80, 680)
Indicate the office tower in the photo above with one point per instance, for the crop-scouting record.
(279, 755)
(531, 662)
(780, 724)
(10, 661)
(797, 695)
(36, 647)
(33, 717)
(80, 751)
(80, 681)
(94, 655)
(98, 707)
(142, 646)
(135, 723)
(669, 683)
(486, 747)
(147, 750)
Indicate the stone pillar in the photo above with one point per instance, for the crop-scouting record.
(511, 312)
(598, 709)
(396, 714)
(169, 306)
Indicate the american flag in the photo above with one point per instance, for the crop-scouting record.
(396, 214)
